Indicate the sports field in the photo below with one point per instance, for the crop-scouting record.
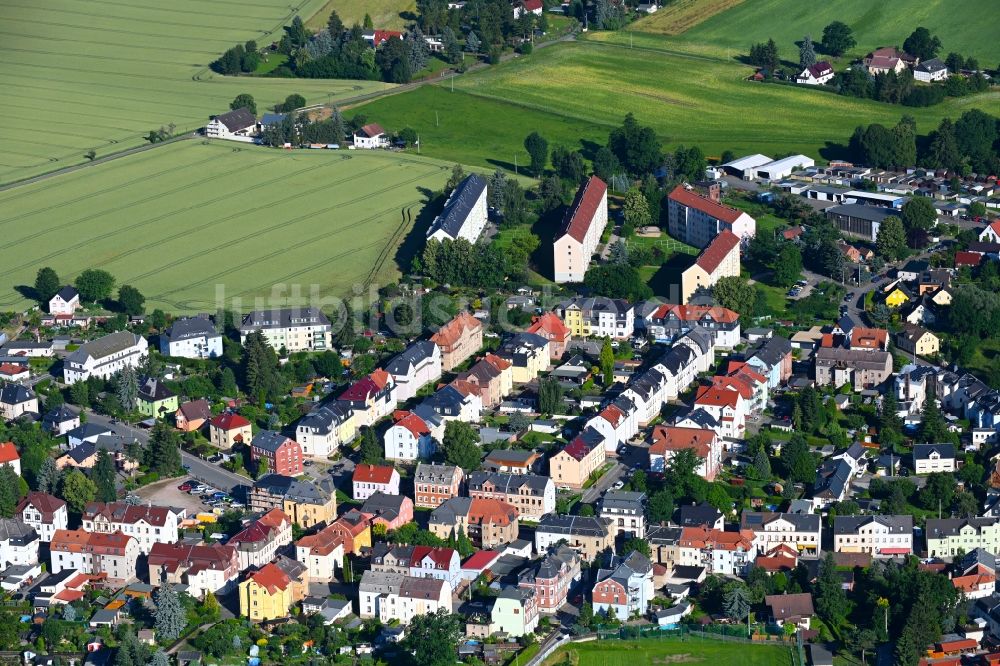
(187, 219)
(82, 75)
(658, 652)
(968, 27)
(573, 94)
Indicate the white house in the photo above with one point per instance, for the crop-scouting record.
(17, 400)
(616, 426)
(326, 427)
(991, 234)
(371, 479)
(409, 439)
(149, 524)
(294, 329)
(440, 563)
(878, 536)
(625, 590)
(580, 232)
(65, 302)
(930, 70)
(191, 337)
(371, 136)
(464, 214)
(105, 356)
(816, 75)
(18, 543)
(43, 512)
(800, 531)
(928, 458)
(237, 123)
(417, 366)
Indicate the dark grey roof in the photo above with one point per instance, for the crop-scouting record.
(15, 394)
(152, 390)
(576, 525)
(103, 347)
(862, 212)
(459, 206)
(238, 119)
(283, 318)
(410, 357)
(448, 512)
(326, 417)
(697, 514)
(701, 418)
(932, 65)
(268, 440)
(623, 500)
(82, 451)
(87, 430)
(67, 293)
(510, 483)
(59, 414)
(937, 528)
(900, 524)
(433, 473)
(772, 350)
(833, 480)
(846, 323)
(923, 451)
(192, 327)
(383, 504)
(296, 490)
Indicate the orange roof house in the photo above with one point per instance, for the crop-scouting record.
(552, 328)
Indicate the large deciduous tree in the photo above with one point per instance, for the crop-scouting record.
(838, 38)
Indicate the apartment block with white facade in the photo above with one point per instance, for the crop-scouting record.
(464, 215)
(878, 536)
(581, 231)
(696, 219)
(294, 329)
(105, 356)
(191, 337)
(801, 531)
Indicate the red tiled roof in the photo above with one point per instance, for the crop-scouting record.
(274, 518)
(271, 578)
(372, 130)
(381, 474)
(700, 537)
(612, 414)
(8, 453)
(45, 504)
(550, 326)
(360, 390)
(719, 315)
(868, 338)
(120, 512)
(692, 199)
(735, 384)
(491, 512)
(673, 438)
(12, 369)
(716, 397)
(497, 362)
(452, 332)
(480, 560)
(323, 542)
(717, 250)
(532, 5)
(384, 36)
(416, 425)
(794, 232)
(581, 214)
(963, 258)
(441, 557)
(229, 421)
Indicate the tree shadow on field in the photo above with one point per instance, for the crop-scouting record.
(408, 16)
(834, 151)
(507, 166)
(666, 280)
(589, 148)
(413, 243)
(27, 291)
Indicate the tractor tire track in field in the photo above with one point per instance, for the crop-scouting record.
(407, 219)
(186, 12)
(158, 218)
(63, 12)
(284, 225)
(106, 190)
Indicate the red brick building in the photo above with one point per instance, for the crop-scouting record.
(283, 455)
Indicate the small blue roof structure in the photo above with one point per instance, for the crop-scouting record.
(272, 118)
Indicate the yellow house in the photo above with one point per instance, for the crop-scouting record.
(918, 341)
(719, 259)
(266, 594)
(580, 458)
(942, 296)
(309, 512)
(896, 295)
(573, 318)
(348, 429)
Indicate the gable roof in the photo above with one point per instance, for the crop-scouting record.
(67, 293)
(196, 409)
(581, 214)
(459, 206)
(192, 327)
(229, 421)
(381, 474)
(691, 199)
(371, 130)
(237, 119)
(673, 438)
(455, 329)
(717, 251)
(790, 606)
(270, 441)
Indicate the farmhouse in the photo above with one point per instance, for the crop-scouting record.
(581, 230)
(816, 75)
(859, 220)
(696, 219)
(105, 356)
(191, 337)
(65, 302)
(464, 214)
(294, 329)
(887, 59)
(370, 137)
(721, 258)
(238, 123)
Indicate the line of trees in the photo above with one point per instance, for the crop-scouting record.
(95, 285)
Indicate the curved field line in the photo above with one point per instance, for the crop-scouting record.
(64, 12)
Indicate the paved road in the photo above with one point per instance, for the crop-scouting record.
(591, 494)
(202, 470)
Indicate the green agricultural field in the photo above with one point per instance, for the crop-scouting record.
(574, 93)
(186, 220)
(655, 652)
(385, 14)
(966, 26)
(82, 75)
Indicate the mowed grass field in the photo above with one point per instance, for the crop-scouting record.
(189, 219)
(81, 75)
(969, 27)
(574, 93)
(386, 14)
(658, 652)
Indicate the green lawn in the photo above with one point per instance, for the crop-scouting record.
(574, 93)
(385, 14)
(83, 75)
(194, 220)
(656, 652)
(965, 26)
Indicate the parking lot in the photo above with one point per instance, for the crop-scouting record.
(168, 493)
